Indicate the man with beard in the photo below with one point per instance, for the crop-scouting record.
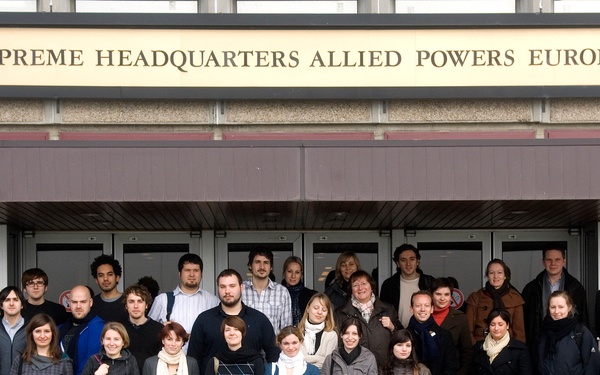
(80, 335)
(206, 338)
(109, 303)
(187, 301)
(265, 295)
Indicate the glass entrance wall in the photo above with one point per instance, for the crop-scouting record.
(237, 254)
(155, 254)
(525, 260)
(67, 265)
(325, 256)
(460, 260)
(156, 260)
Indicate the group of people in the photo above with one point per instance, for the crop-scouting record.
(259, 326)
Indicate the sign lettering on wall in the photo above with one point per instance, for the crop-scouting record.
(299, 58)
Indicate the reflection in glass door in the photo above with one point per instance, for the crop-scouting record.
(323, 249)
(66, 259)
(458, 254)
(522, 252)
(234, 247)
(156, 255)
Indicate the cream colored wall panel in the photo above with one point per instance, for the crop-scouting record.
(460, 110)
(244, 112)
(18, 111)
(574, 110)
(135, 111)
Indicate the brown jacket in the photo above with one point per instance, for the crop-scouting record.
(479, 306)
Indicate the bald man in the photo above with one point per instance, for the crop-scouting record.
(80, 335)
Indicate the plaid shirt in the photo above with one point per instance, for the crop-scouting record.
(274, 301)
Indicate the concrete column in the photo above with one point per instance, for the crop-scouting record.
(376, 6)
(217, 6)
(534, 6)
(56, 6)
(3, 256)
(208, 252)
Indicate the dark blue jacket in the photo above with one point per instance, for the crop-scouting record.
(206, 338)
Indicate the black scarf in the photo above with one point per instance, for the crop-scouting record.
(350, 357)
(497, 294)
(295, 296)
(242, 355)
(428, 342)
(556, 330)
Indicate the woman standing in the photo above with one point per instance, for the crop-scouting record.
(42, 355)
(171, 360)
(453, 321)
(377, 318)
(291, 360)
(499, 353)
(293, 271)
(497, 294)
(338, 291)
(402, 359)
(566, 346)
(236, 359)
(318, 326)
(114, 358)
(350, 358)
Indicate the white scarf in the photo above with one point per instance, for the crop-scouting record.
(297, 363)
(165, 359)
(493, 347)
(310, 335)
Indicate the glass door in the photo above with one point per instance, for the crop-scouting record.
(458, 254)
(323, 248)
(522, 252)
(233, 249)
(156, 255)
(66, 259)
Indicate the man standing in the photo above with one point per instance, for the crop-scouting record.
(35, 284)
(433, 344)
(188, 300)
(265, 295)
(408, 279)
(206, 338)
(80, 335)
(143, 331)
(12, 331)
(108, 305)
(536, 292)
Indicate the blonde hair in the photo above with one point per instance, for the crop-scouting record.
(329, 320)
(119, 328)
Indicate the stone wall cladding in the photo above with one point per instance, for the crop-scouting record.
(574, 110)
(309, 111)
(135, 112)
(21, 111)
(463, 110)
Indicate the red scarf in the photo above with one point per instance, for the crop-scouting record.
(440, 315)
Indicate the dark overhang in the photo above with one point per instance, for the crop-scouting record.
(234, 185)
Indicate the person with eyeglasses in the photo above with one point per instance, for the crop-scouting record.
(378, 320)
(35, 286)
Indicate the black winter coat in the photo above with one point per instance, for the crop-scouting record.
(390, 289)
(512, 360)
(125, 365)
(533, 308)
